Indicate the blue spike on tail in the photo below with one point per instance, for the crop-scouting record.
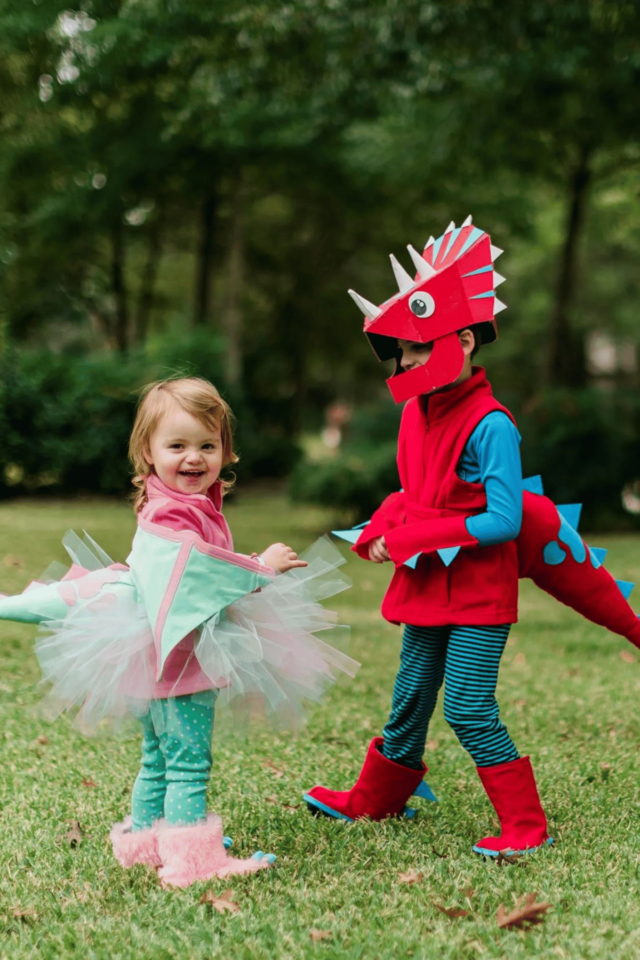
(625, 587)
(412, 561)
(533, 485)
(571, 513)
(597, 556)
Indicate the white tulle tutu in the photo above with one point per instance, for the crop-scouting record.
(263, 655)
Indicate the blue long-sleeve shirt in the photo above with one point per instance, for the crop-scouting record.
(492, 458)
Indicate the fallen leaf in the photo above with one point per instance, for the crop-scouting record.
(519, 660)
(89, 782)
(222, 903)
(21, 914)
(524, 914)
(42, 740)
(74, 834)
(317, 935)
(272, 799)
(504, 857)
(440, 856)
(291, 806)
(11, 561)
(519, 704)
(451, 912)
(627, 656)
(431, 744)
(410, 877)
(468, 892)
(277, 772)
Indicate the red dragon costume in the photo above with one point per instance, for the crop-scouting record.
(436, 567)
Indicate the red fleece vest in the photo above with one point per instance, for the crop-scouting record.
(481, 585)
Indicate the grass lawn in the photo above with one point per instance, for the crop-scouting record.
(569, 694)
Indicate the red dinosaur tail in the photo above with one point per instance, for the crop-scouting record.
(554, 556)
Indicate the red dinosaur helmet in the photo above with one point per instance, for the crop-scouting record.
(454, 288)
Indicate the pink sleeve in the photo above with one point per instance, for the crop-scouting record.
(178, 516)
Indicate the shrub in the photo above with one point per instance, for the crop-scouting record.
(66, 420)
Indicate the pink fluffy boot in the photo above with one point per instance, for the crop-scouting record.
(193, 853)
(138, 847)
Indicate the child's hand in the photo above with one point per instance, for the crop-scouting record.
(282, 558)
(378, 550)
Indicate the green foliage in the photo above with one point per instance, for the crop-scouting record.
(355, 484)
(66, 420)
(65, 423)
(358, 478)
(240, 166)
(586, 446)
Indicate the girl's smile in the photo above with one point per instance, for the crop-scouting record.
(185, 452)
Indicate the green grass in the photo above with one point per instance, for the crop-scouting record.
(566, 694)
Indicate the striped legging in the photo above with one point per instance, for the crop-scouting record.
(467, 658)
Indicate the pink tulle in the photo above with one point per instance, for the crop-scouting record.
(265, 649)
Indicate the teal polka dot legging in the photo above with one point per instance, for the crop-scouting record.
(176, 761)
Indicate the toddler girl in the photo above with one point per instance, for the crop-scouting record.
(187, 623)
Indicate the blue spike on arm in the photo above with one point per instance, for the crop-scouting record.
(446, 554)
(351, 536)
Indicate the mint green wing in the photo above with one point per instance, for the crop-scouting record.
(183, 582)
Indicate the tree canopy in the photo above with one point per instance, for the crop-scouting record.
(236, 166)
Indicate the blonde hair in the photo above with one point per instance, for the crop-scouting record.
(197, 397)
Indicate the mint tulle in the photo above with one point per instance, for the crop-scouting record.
(263, 656)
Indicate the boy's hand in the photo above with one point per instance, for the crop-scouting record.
(282, 558)
(378, 550)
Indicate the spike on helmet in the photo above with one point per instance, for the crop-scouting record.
(454, 288)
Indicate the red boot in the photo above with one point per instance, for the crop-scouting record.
(381, 791)
(512, 790)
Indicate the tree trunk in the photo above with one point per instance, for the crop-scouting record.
(202, 299)
(118, 285)
(147, 283)
(566, 358)
(232, 315)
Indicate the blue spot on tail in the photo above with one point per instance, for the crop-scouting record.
(553, 554)
(573, 540)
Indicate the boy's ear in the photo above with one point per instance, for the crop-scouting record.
(467, 341)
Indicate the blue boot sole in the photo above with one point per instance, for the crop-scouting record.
(318, 808)
(485, 852)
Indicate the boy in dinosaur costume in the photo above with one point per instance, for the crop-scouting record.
(460, 533)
